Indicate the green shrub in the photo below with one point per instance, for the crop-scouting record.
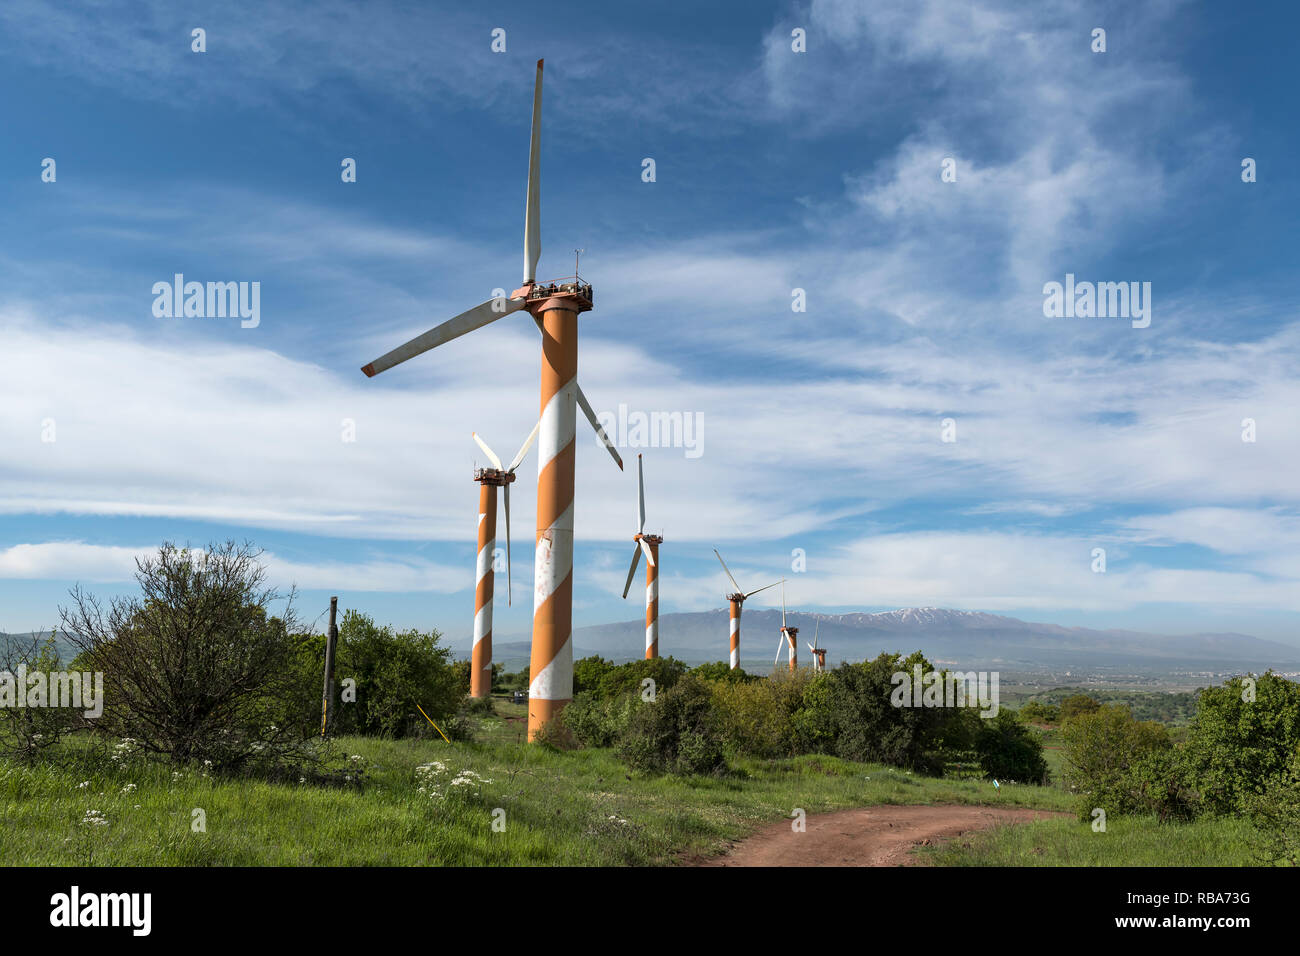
(195, 666)
(1077, 705)
(1008, 750)
(869, 728)
(1111, 761)
(396, 673)
(619, 679)
(1237, 746)
(1275, 813)
(595, 721)
(28, 733)
(676, 733)
(724, 672)
(1036, 712)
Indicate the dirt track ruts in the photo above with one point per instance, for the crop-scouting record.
(870, 836)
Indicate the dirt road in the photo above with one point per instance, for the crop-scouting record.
(871, 836)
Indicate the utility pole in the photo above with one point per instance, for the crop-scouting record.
(331, 642)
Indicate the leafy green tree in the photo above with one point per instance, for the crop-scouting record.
(723, 671)
(397, 673)
(869, 727)
(1076, 705)
(1107, 759)
(30, 733)
(621, 678)
(676, 733)
(588, 672)
(1037, 712)
(1008, 750)
(1275, 813)
(1236, 745)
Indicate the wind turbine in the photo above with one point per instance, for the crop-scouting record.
(819, 653)
(489, 480)
(649, 543)
(555, 308)
(788, 636)
(738, 598)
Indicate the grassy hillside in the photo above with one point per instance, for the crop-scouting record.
(576, 808)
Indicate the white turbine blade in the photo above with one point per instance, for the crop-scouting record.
(523, 450)
(467, 321)
(648, 556)
(756, 590)
(729, 577)
(816, 629)
(783, 602)
(636, 556)
(595, 423)
(780, 643)
(640, 481)
(532, 211)
(810, 647)
(509, 583)
(492, 456)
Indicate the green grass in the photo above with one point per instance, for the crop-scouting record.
(571, 808)
(560, 808)
(1128, 841)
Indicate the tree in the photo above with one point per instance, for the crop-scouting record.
(1077, 705)
(723, 671)
(868, 726)
(1036, 712)
(196, 667)
(1111, 761)
(1008, 750)
(676, 733)
(1239, 741)
(397, 674)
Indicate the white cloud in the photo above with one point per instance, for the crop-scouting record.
(79, 561)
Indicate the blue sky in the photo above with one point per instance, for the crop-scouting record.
(775, 171)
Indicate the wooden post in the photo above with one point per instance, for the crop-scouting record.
(331, 641)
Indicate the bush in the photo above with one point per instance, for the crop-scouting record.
(1077, 705)
(676, 733)
(1036, 712)
(1008, 750)
(397, 674)
(787, 714)
(594, 721)
(724, 672)
(1275, 813)
(1114, 762)
(27, 733)
(619, 679)
(196, 667)
(869, 728)
(1236, 747)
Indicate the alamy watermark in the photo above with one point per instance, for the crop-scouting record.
(1101, 300)
(946, 689)
(56, 689)
(212, 300)
(638, 429)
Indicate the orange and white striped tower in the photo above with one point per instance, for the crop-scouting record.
(555, 308)
(480, 672)
(551, 670)
(490, 479)
(649, 543)
(737, 599)
(819, 652)
(652, 596)
(789, 635)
